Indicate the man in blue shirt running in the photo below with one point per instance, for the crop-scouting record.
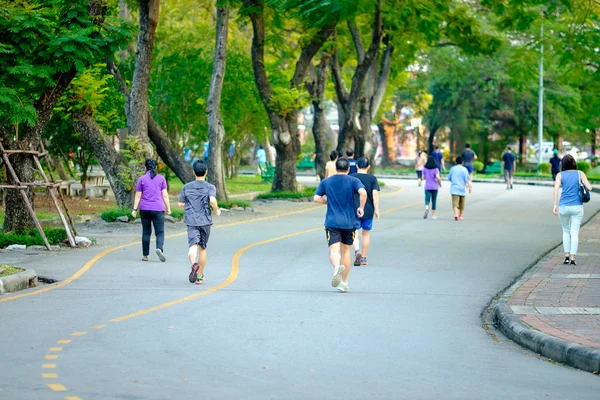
(340, 220)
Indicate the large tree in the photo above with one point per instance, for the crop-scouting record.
(45, 44)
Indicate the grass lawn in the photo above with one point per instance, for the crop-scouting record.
(40, 215)
(6, 270)
(239, 185)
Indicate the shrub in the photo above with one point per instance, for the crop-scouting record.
(112, 214)
(583, 166)
(231, 203)
(32, 237)
(544, 168)
(177, 213)
(381, 184)
(306, 193)
(478, 166)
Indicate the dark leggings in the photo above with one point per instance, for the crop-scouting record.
(158, 219)
(431, 195)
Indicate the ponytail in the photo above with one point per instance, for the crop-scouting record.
(151, 166)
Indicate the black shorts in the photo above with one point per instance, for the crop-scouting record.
(198, 235)
(337, 235)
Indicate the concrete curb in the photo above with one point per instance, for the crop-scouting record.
(18, 281)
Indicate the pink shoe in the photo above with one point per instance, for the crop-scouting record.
(460, 218)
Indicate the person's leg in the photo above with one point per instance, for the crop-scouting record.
(565, 223)
(455, 206)
(461, 206)
(366, 237)
(193, 254)
(434, 194)
(345, 261)
(427, 200)
(158, 220)
(507, 178)
(576, 217)
(203, 244)
(146, 218)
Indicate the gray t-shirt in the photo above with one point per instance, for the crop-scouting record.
(468, 155)
(196, 196)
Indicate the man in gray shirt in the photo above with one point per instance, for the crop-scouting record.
(197, 198)
(468, 157)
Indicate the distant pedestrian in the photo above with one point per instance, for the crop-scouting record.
(433, 181)
(420, 161)
(555, 164)
(261, 157)
(510, 165)
(439, 158)
(352, 161)
(330, 166)
(460, 181)
(206, 150)
(340, 220)
(197, 198)
(152, 199)
(570, 208)
(365, 223)
(468, 157)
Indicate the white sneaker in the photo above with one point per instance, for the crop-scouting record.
(342, 287)
(160, 255)
(337, 275)
(434, 217)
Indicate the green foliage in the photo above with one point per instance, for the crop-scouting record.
(544, 168)
(42, 40)
(113, 214)
(9, 270)
(234, 203)
(33, 238)
(135, 152)
(583, 166)
(477, 166)
(177, 213)
(285, 101)
(306, 193)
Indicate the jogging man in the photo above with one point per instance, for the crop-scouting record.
(365, 223)
(460, 180)
(198, 197)
(352, 161)
(340, 219)
(510, 165)
(468, 157)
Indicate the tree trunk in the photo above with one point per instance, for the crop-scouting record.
(136, 105)
(284, 128)
(387, 131)
(316, 88)
(216, 130)
(522, 148)
(115, 165)
(168, 153)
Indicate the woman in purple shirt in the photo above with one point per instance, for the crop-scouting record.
(433, 181)
(151, 199)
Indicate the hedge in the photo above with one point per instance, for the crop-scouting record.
(32, 237)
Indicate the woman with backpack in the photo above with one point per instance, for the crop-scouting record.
(570, 207)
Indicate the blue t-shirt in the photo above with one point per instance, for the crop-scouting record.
(262, 155)
(353, 167)
(206, 146)
(570, 188)
(555, 162)
(509, 161)
(340, 190)
(458, 176)
(438, 157)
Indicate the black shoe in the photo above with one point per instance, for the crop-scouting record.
(357, 257)
(511, 186)
(567, 261)
(194, 273)
(573, 262)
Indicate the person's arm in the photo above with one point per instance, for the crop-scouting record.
(136, 204)
(469, 183)
(319, 193)
(215, 205)
(556, 187)
(165, 197)
(585, 181)
(181, 202)
(376, 203)
(363, 200)
(438, 177)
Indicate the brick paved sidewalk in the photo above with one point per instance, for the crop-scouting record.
(564, 300)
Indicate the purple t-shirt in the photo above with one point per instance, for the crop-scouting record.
(151, 192)
(431, 182)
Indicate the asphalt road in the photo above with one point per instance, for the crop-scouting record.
(267, 324)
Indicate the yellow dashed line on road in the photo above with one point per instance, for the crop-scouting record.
(48, 366)
(97, 326)
(78, 333)
(72, 398)
(49, 376)
(64, 341)
(55, 349)
(51, 357)
(57, 387)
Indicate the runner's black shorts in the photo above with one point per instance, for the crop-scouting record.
(337, 235)
(198, 235)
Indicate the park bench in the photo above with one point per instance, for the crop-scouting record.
(267, 172)
(305, 163)
(493, 168)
